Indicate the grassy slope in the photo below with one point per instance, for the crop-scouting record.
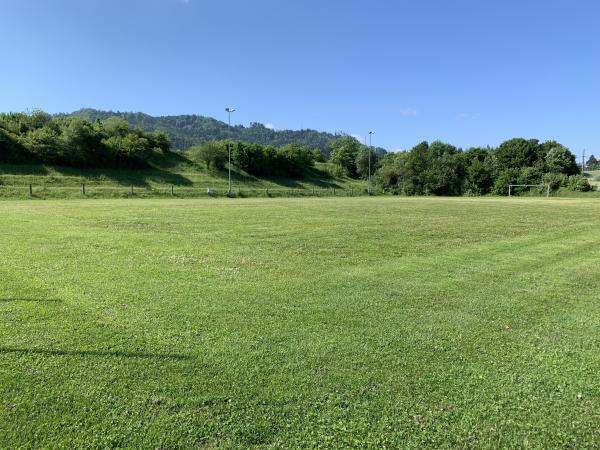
(415, 323)
(593, 177)
(187, 177)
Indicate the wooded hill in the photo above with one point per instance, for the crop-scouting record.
(186, 131)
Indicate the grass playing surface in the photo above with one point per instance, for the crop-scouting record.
(365, 322)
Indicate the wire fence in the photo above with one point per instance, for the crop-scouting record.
(122, 191)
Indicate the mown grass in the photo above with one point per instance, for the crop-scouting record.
(348, 322)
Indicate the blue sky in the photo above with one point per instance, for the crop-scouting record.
(463, 71)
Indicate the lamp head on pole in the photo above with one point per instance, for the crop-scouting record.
(230, 110)
(371, 132)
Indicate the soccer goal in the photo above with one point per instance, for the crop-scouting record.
(512, 186)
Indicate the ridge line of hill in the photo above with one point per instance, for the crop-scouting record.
(188, 130)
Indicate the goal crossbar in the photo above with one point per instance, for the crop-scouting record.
(547, 186)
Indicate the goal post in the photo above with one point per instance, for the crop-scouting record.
(547, 186)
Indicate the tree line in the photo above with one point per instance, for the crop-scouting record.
(76, 142)
(291, 160)
(191, 130)
(442, 169)
(435, 168)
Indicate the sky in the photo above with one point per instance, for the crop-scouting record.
(468, 72)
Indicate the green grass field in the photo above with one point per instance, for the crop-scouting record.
(346, 322)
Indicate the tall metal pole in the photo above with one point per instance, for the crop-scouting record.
(371, 133)
(229, 111)
(583, 162)
(229, 152)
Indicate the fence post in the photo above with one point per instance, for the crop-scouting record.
(83, 188)
(334, 191)
(30, 190)
(172, 190)
(132, 189)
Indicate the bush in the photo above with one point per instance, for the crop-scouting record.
(555, 180)
(11, 150)
(318, 155)
(294, 160)
(579, 183)
(504, 178)
(76, 142)
(213, 154)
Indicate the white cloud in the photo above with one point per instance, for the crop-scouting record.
(270, 126)
(358, 137)
(408, 112)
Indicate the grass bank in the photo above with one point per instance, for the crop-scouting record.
(172, 175)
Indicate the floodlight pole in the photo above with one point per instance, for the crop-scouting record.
(371, 133)
(229, 111)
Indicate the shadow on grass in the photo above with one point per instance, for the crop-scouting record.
(242, 180)
(101, 353)
(315, 176)
(322, 178)
(126, 177)
(170, 159)
(23, 169)
(156, 172)
(29, 299)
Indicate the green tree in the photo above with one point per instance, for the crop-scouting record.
(480, 177)
(560, 160)
(362, 162)
(517, 153)
(251, 158)
(504, 178)
(445, 170)
(592, 163)
(11, 150)
(343, 154)
(116, 126)
(318, 155)
(82, 145)
(213, 154)
(159, 140)
(46, 145)
(295, 160)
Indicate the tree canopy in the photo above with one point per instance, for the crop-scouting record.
(76, 142)
(442, 169)
(186, 131)
(291, 160)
